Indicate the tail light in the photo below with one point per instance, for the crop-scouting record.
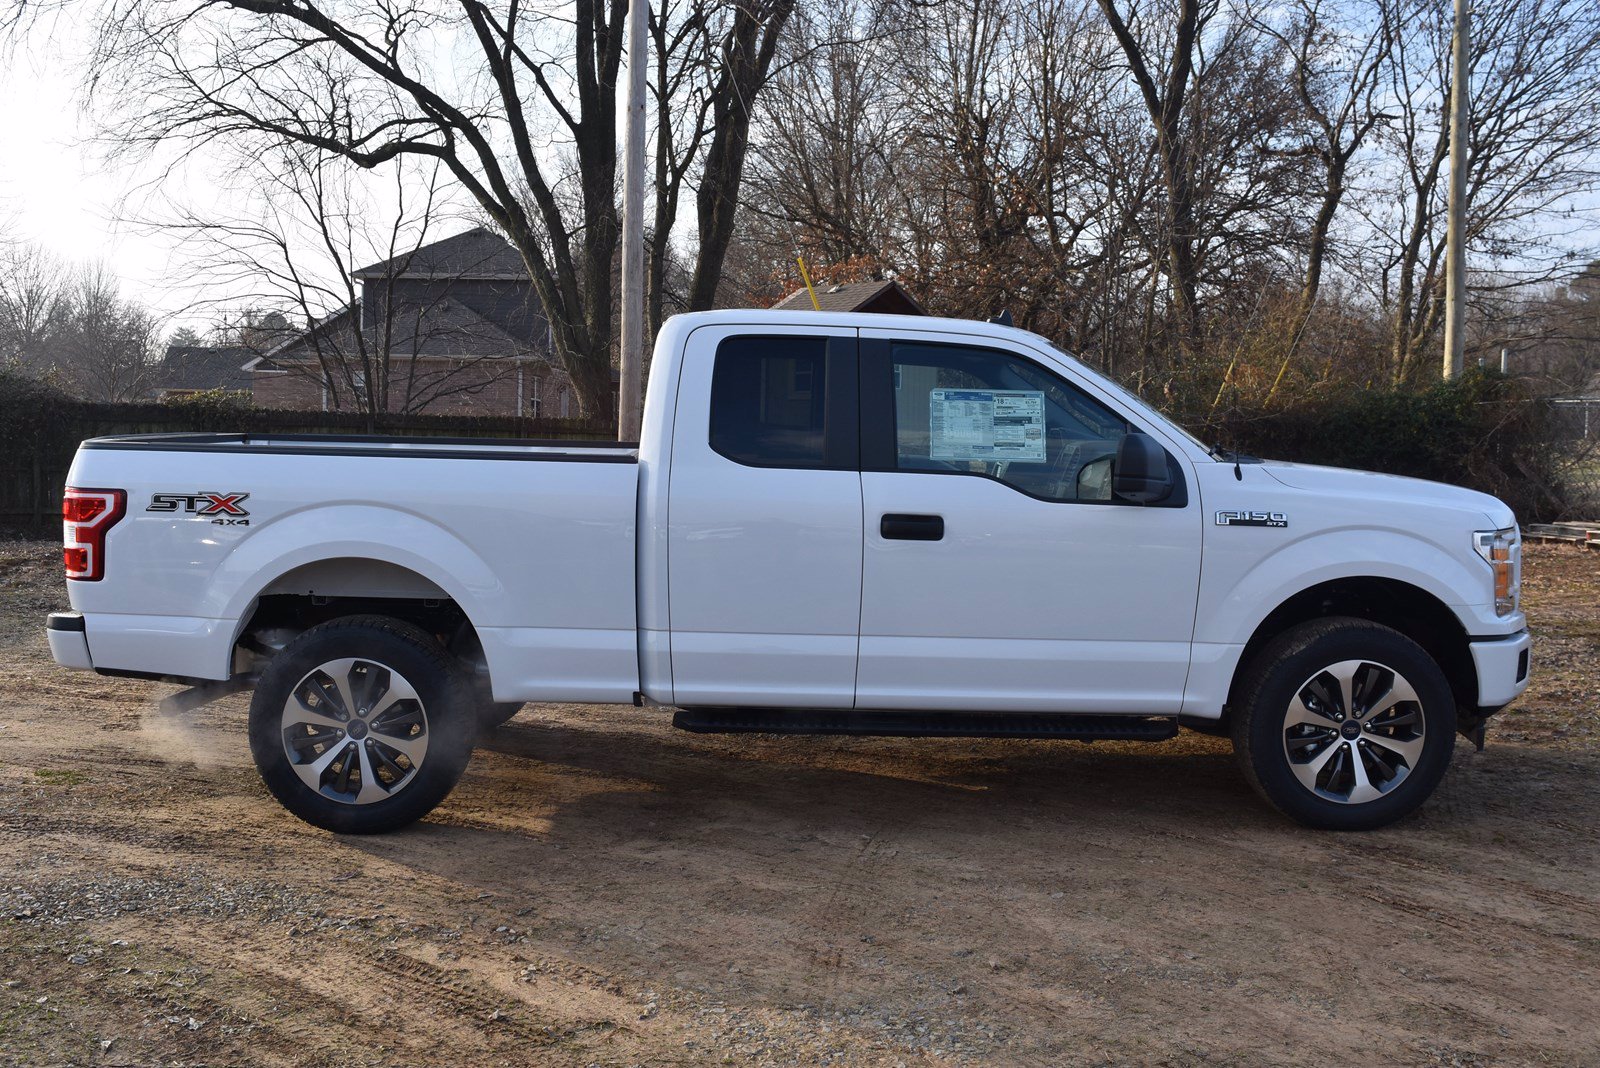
(86, 515)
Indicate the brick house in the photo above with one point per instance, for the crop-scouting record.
(462, 328)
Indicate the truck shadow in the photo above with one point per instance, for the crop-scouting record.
(662, 769)
(840, 875)
(540, 796)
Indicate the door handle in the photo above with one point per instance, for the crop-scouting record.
(899, 527)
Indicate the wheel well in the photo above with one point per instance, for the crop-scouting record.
(330, 589)
(1412, 611)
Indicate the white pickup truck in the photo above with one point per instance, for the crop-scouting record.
(855, 524)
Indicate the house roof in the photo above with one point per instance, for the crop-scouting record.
(886, 295)
(330, 322)
(448, 327)
(204, 367)
(475, 253)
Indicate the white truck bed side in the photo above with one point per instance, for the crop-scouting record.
(535, 543)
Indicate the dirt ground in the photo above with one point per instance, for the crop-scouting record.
(602, 889)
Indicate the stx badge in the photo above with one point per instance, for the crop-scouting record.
(1252, 519)
(223, 509)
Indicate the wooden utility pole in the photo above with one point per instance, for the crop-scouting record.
(630, 396)
(1455, 271)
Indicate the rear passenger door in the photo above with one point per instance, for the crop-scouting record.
(764, 528)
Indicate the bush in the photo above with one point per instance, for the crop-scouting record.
(214, 410)
(1481, 430)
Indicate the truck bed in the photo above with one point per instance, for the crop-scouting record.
(539, 556)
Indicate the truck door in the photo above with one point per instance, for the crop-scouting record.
(764, 523)
(999, 572)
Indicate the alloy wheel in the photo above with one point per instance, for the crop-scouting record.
(355, 731)
(1353, 731)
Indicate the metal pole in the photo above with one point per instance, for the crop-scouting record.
(630, 396)
(1455, 300)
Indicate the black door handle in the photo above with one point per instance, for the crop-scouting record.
(898, 527)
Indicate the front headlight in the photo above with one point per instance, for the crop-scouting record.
(1502, 551)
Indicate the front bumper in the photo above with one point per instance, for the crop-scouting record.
(69, 642)
(1503, 669)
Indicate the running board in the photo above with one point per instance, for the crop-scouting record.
(924, 724)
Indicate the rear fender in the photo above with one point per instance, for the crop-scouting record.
(361, 532)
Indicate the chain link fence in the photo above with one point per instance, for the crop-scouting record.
(1577, 428)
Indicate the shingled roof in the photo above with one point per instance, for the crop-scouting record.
(886, 296)
(201, 367)
(476, 253)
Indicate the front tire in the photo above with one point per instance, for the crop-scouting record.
(362, 725)
(1343, 724)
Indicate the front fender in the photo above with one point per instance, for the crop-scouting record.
(1244, 579)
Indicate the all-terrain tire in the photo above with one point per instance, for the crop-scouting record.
(382, 764)
(1344, 768)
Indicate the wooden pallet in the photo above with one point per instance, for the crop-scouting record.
(1577, 531)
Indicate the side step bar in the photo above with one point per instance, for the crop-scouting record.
(924, 724)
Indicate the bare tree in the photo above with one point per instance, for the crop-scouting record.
(711, 63)
(520, 111)
(1534, 140)
(1164, 89)
(1337, 75)
(824, 170)
(106, 348)
(33, 304)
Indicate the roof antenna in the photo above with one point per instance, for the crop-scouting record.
(1003, 319)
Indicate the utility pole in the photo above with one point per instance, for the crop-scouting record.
(630, 396)
(1455, 272)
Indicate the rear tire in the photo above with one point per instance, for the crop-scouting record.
(362, 725)
(1343, 724)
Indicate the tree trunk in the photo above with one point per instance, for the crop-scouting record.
(747, 59)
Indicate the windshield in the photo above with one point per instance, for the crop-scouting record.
(1128, 397)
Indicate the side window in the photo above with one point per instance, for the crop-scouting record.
(769, 401)
(985, 412)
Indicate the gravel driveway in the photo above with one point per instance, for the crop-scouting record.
(604, 890)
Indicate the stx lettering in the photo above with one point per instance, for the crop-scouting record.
(204, 503)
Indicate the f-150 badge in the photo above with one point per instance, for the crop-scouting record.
(223, 509)
(1252, 519)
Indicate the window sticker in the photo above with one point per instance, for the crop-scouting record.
(986, 424)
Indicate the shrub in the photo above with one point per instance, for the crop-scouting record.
(213, 410)
(1481, 430)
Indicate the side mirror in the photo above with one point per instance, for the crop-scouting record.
(1140, 473)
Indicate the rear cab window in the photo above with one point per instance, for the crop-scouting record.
(785, 401)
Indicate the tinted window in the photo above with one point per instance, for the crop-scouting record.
(979, 411)
(768, 401)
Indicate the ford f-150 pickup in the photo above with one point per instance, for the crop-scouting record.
(856, 524)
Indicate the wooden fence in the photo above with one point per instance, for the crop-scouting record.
(34, 460)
